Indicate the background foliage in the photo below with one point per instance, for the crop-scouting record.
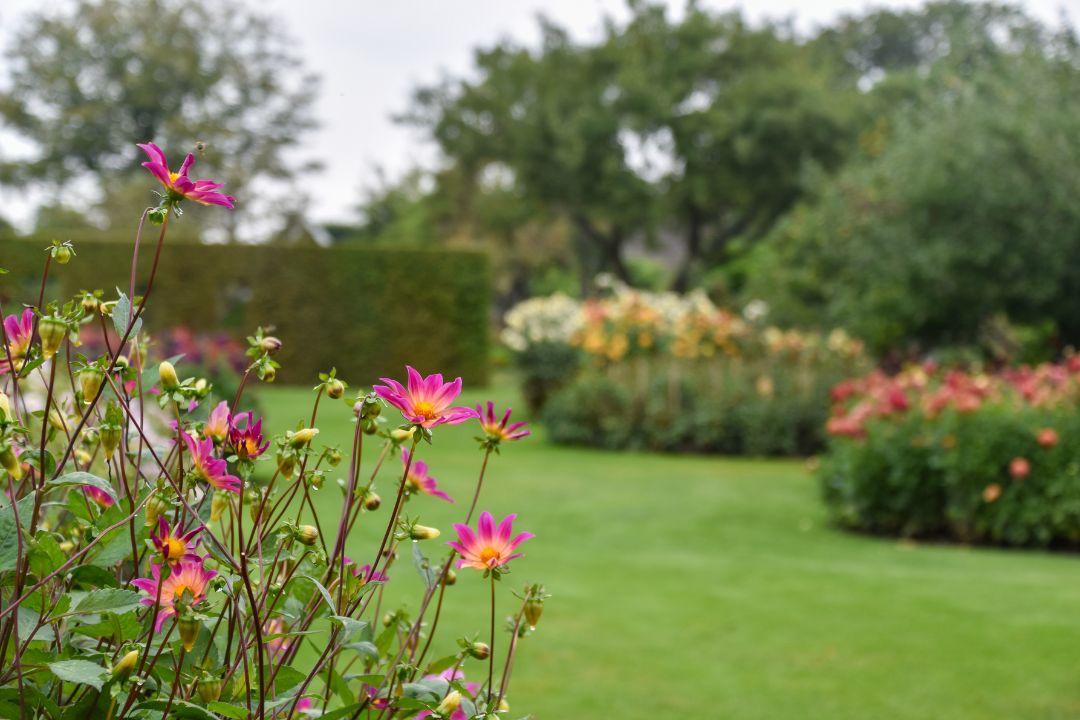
(428, 308)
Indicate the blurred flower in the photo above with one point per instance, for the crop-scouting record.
(209, 468)
(178, 185)
(19, 331)
(427, 401)
(1047, 437)
(1019, 468)
(217, 425)
(98, 495)
(418, 479)
(489, 547)
(187, 582)
(498, 430)
(175, 546)
(991, 492)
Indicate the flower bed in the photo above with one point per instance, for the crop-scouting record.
(677, 373)
(973, 457)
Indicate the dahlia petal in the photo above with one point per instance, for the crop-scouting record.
(160, 172)
(506, 528)
(186, 166)
(486, 527)
(153, 152)
(458, 415)
(416, 382)
(519, 539)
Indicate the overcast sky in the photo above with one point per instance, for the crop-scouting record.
(370, 54)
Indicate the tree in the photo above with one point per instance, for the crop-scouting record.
(88, 83)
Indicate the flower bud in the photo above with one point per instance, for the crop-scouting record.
(269, 374)
(307, 534)
(57, 421)
(89, 303)
(503, 706)
(480, 651)
(218, 504)
(423, 532)
(209, 689)
(167, 373)
(387, 620)
(10, 461)
(66, 547)
(62, 254)
(188, 627)
(125, 666)
(110, 439)
(270, 345)
(300, 438)
(333, 457)
(335, 388)
(254, 502)
(83, 458)
(533, 610)
(402, 434)
(372, 501)
(5, 408)
(449, 704)
(155, 507)
(286, 464)
(315, 479)
(52, 330)
(450, 578)
(90, 380)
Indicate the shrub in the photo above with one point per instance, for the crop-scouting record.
(675, 373)
(977, 458)
(432, 305)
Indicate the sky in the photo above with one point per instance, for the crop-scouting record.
(370, 56)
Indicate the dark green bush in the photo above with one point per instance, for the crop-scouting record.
(367, 311)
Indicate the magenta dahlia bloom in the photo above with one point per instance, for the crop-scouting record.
(489, 547)
(19, 331)
(247, 438)
(364, 572)
(175, 545)
(217, 425)
(179, 185)
(498, 430)
(427, 400)
(207, 467)
(419, 481)
(188, 577)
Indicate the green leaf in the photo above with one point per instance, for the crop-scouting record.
(340, 713)
(113, 600)
(349, 625)
(84, 478)
(231, 711)
(9, 537)
(114, 548)
(82, 672)
(121, 316)
(423, 566)
(28, 623)
(323, 591)
(116, 627)
(441, 664)
(45, 555)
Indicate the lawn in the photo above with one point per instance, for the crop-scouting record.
(713, 588)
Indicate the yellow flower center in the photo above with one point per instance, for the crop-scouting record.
(173, 176)
(488, 554)
(174, 548)
(424, 409)
(178, 591)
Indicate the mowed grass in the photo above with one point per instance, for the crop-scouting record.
(713, 588)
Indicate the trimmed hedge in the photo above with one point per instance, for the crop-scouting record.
(428, 308)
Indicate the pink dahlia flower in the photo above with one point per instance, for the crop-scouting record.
(179, 185)
(207, 467)
(427, 400)
(175, 545)
(489, 547)
(498, 429)
(217, 425)
(418, 479)
(19, 331)
(187, 578)
(98, 495)
(247, 438)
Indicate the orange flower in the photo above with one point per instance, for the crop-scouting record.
(1019, 468)
(991, 493)
(1047, 437)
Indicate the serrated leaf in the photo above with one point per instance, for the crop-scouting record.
(349, 625)
(9, 536)
(322, 591)
(84, 478)
(114, 600)
(82, 672)
(231, 711)
(121, 316)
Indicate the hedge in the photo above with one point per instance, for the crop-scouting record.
(367, 311)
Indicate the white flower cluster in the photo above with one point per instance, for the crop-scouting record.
(552, 319)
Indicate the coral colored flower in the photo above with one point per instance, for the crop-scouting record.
(217, 425)
(247, 438)
(98, 495)
(277, 645)
(1019, 468)
(450, 676)
(489, 547)
(175, 546)
(178, 184)
(187, 578)
(991, 493)
(19, 331)
(427, 400)
(499, 430)
(304, 704)
(207, 467)
(1047, 437)
(418, 479)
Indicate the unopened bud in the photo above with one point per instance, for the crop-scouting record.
(90, 380)
(286, 464)
(480, 651)
(254, 503)
(189, 627)
(307, 534)
(89, 303)
(335, 388)
(209, 689)
(218, 504)
(269, 374)
(402, 434)
(57, 421)
(52, 330)
(387, 620)
(66, 547)
(125, 666)
(110, 439)
(533, 610)
(62, 254)
(503, 706)
(449, 704)
(423, 532)
(83, 458)
(10, 461)
(155, 507)
(270, 345)
(450, 578)
(5, 408)
(372, 501)
(333, 457)
(167, 373)
(300, 438)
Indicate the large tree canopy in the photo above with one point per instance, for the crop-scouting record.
(87, 83)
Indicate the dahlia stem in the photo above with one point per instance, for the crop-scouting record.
(491, 657)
